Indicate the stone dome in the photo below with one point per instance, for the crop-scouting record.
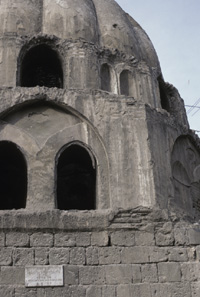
(102, 22)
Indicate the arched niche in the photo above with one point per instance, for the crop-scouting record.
(13, 177)
(75, 178)
(126, 83)
(108, 78)
(41, 66)
(185, 161)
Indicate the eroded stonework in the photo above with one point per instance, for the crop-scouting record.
(99, 170)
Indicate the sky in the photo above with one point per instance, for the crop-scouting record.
(174, 29)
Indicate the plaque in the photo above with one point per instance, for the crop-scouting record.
(44, 276)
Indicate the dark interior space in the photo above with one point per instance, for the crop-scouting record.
(13, 177)
(41, 66)
(105, 78)
(124, 83)
(163, 96)
(76, 179)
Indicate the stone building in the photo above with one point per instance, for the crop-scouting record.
(100, 172)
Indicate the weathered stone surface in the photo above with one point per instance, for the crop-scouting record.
(41, 239)
(5, 256)
(169, 272)
(59, 256)
(123, 238)
(23, 256)
(109, 255)
(92, 275)
(77, 256)
(99, 238)
(149, 273)
(41, 256)
(17, 239)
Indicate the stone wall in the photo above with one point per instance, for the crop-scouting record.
(136, 253)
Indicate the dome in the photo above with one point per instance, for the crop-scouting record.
(119, 31)
(70, 19)
(100, 22)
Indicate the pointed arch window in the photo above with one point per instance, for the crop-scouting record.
(76, 178)
(13, 177)
(105, 78)
(41, 66)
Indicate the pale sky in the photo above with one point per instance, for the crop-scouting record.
(174, 29)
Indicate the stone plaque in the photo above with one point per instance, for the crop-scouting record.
(44, 276)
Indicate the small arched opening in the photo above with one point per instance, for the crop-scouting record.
(76, 179)
(163, 95)
(41, 66)
(126, 83)
(106, 78)
(13, 177)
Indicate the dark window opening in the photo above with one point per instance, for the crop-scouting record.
(13, 177)
(105, 78)
(76, 179)
(125, 83)
(41, 66)
(163, 96)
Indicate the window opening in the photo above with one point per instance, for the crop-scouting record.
(105, 78)
(76, 179)
(13, 177)
(163, 96)
(126, 83)
(41, 66)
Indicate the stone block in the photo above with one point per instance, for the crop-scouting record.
(5, 256)
(6, 291)
(136, 290)
(180, 236)
(41, 256)
(92, 256)
(118, 274)
(144, 238)
(65, 239)
(195, 288)
(93, 291)
(109, 255)
(164, 239)
(99, 238)
(23, 256)
(190, 272)
(71, 275)
(92, 275)
(12, 276)
(108, 291)
(41, 239)
(194, 236)
(2, 239)
(25, 292)
(178, 254)
(59, 256)
(134, 255)
(158, 254)
(17, 239)
(77, 256)
(83, 239)
(136, 273)
(149, 273)
(123, 238)
(169, 272)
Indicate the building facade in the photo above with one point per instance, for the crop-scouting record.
(100, 172)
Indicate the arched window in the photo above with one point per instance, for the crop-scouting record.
(126, 83)
(13, 177)
(76, 179)
(105, 78)
(41, 66)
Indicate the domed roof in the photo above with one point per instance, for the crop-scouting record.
(102, 22)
